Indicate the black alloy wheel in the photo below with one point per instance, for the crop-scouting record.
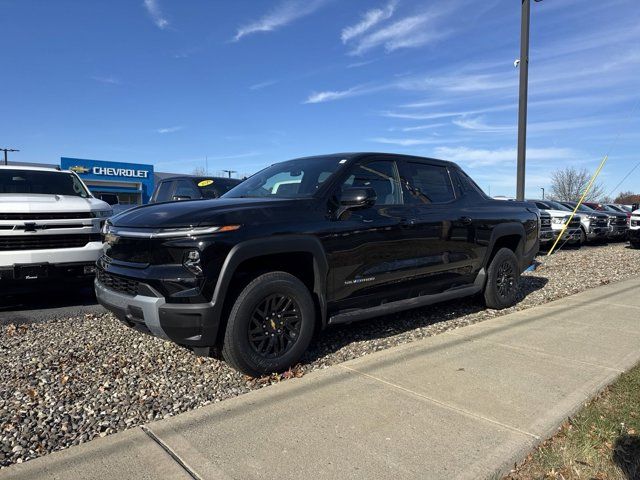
(270, 325)
(503, 280)
(275, 325)
(506, 279)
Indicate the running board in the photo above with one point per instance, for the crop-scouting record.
(400, 305)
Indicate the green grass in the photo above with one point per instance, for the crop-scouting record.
(602, 441)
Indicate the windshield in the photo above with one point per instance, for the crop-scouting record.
(556, 205)
(41, 182)
(298, 178)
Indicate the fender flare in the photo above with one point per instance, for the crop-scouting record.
(274, 245)
(503, 230)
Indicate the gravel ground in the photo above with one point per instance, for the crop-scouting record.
(70, 380)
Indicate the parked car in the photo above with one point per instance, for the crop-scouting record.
(192, 188)
(594, 224)
(353, 236)
(634, 229)
(618, 222)
(559, 217)
(49, 227)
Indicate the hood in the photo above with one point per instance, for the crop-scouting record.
(40, 203)
(192, 213)
(561, 213)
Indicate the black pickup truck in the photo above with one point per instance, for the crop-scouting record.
(308, 243)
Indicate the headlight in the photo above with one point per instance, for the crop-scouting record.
(103, 213)
(105, 227)
(593, 217)
(557, 220)
(192, 231)
(191, 261)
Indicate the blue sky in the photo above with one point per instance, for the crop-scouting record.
(248, 83)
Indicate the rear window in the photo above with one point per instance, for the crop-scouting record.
(428, 183)
(40, 182)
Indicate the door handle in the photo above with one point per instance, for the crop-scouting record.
(465, 220)
(408, 221)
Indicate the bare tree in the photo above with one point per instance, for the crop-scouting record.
(199, 172)
(568, 184)
(627, 198)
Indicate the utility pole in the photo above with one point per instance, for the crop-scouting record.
(522, 101)
(5, 150)
(542, 188)
(230, 172)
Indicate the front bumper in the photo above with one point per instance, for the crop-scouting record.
(187, 324)
(597, 233)
(89, 253)
(618, 231)
(570, 235)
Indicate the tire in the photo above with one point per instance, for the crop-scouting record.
(583, 236)
(503, 279)
(635, 244)
(257, 341)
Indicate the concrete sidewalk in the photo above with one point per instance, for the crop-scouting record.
(464, 404)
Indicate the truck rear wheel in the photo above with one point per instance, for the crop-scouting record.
(635, 244)
(503, 278)
(270, 325)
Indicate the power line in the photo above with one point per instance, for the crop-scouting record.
(625, 177)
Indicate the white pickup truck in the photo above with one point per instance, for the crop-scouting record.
(49, 227)
(634, 229)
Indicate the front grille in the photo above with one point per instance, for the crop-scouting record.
(601, 222)
(545, 222)
(118, 283)
(574, 223)
(635, 223)
(39, 242)
(46, 216)
(621, 221)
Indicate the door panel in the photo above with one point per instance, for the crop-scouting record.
(446, 250)
(367, 248)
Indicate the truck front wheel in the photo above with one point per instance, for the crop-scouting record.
(503, 279)
(270, 325)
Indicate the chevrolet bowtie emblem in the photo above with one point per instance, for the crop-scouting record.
(79, 169)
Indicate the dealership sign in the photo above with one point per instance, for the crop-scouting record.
(112, 175)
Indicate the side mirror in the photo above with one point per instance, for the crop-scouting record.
(181, 197)
(358, 197)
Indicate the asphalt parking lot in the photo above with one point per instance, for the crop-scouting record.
(72, 373)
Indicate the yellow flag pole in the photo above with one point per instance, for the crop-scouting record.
(586, 191)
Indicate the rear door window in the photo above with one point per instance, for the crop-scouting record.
(427, 184)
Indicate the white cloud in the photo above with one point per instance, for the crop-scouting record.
(406, 142)
(261, 85)
(484, 157)
(329, 95)
(111, 80)
(423, 127)
(156, 14)
(478, 124)
(411, 31)
(282, 15)
(368, 21)
(173, 129)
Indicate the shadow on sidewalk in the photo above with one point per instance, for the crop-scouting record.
(626, 455)
(336, 337)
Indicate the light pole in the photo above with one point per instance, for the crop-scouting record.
(542, 188)
(522, 99)
(5, 150)
(230, 172)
